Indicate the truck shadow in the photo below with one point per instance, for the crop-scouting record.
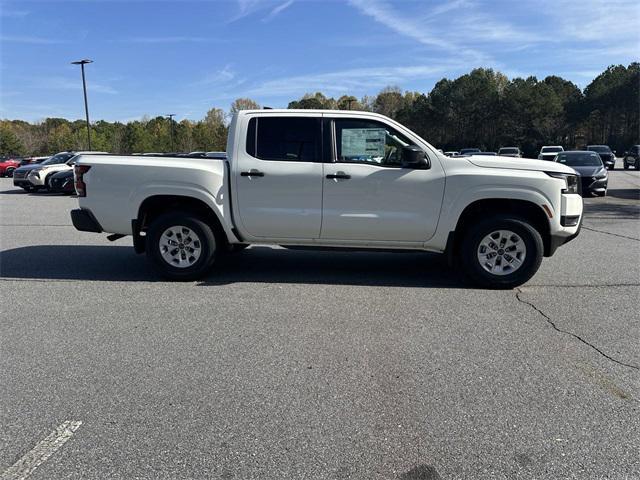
(256, 265)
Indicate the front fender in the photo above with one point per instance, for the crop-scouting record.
(454, 205)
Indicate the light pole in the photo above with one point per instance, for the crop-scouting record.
(170, 116)
(86, 106)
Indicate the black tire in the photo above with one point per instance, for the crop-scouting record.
(28, 189)
(626, 165)
(473, 237)
(207, 242)
(637, 164)
(47, 182)
(9, 172)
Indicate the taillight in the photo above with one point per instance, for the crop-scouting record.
(78, 172)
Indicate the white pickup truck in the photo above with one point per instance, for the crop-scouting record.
(340, 179)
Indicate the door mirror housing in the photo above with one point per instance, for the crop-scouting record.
(414, 157)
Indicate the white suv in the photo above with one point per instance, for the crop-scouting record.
(550, 152)
(40, 176)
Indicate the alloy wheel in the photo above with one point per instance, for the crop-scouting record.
(502, 252)
(180, 246)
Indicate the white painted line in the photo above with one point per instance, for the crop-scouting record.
(41, 452)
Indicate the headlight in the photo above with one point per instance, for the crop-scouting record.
(602, 173)
(571, 181)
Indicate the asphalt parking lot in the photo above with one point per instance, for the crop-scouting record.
(288, 364)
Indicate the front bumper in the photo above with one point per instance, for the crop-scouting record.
(36, 180)
(84, 221)
(20, 179)
(570, 219)
(62, 185)
(593, 185)
(557, 241)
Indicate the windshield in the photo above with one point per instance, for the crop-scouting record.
(579, 159)
(599, 148)
(59, 158)
(551, 149)
(509, 150)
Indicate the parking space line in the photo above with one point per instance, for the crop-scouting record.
(41, 452)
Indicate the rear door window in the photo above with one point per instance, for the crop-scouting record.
(293, 139)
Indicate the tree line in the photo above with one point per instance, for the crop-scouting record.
(482, 109)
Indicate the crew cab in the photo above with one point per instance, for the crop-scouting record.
(342, 179)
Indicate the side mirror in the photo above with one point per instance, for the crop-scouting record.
(414, 157)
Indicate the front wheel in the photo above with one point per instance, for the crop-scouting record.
(181, 246)
(501, 252)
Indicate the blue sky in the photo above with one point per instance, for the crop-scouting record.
(185, 57)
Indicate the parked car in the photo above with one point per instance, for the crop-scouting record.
(494, 218)
(32, 160)
(594, 178)
(468, 151)
(40, 176)
(218, 155)
(510, 152)
(549, 152)
(607, 156)
(195, 155)
(632, 158)
(20, 174)
(451, 153)
(491, 154)
(62, 182)
(7, 166)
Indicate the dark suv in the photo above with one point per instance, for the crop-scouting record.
(632, 158)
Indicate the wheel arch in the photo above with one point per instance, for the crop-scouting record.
(155, 205)
(524, 209)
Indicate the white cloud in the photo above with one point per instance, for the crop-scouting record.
(220, 77)
(249, 7)
(351, 81)
(63, 83)
(277, 10)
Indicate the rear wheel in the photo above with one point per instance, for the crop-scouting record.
(626, 165)
(181, 246)
(501, 252)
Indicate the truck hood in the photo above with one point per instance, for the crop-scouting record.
(512, 163)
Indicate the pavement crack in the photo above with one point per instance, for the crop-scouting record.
(566, 332)
(610, 233)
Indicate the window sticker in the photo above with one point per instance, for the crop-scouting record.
(363, 141)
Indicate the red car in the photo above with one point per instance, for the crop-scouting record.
(7, 166)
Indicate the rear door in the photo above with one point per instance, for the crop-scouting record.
(369, 195)
(278, 174)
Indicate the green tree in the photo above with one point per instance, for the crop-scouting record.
(243, 104)
(9, 142)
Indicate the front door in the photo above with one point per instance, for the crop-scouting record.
(369, 195)
(279, 178)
